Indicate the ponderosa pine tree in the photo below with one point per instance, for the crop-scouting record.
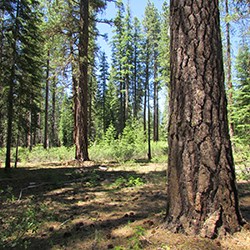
(202, 193)
(81, 127)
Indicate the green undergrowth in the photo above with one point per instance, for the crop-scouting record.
(241, 159)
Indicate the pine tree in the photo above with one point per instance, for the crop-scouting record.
(24, 70)
(102, 110)
(241, 113)
(202, 193)
(152, 30)
(126, 62)
(137, 66)
(164, 46)
(116, 65)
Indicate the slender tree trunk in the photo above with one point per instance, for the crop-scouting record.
(81, 136)
(74, 89)
(39, 130)
(53, 115)
(229, 72)
(126, 98)
(202, 194)
(10, 109)
(104, 105)
(1, 82)
(29, 132)
(46, 113)
(17, 144)
(156, 105)
(122, 106)
(149, 123)
(73, 77)
(145, 112)
(135, 83)
(148, 105)
(90, 100)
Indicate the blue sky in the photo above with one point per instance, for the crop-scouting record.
(137, 10)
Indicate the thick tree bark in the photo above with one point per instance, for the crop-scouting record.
(202, 194)
(81, 133)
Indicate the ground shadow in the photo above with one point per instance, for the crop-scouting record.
(82, 201)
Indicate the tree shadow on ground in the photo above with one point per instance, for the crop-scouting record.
(82, 202)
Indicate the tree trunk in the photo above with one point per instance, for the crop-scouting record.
(29, 131)
(229, 71)
(145, 112)
(81, 135)
(148, 104)
(1, 82)
(74, 88)
(135, 83)
(122, 106)
(149, 130)
(90, 101)
(202, 194)
(156, 103)
(17, 144)
(126, 97)
(46, 111)
(10, 109)
(53, 115)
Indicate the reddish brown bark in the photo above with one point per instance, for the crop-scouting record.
(81, 109)
(202, 193)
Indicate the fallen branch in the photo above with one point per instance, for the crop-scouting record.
(29, 187)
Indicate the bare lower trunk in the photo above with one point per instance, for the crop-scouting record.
(81, 133)
(202, 193)
(156, 102)
(53, 116)
(46, 110)
(10, 109)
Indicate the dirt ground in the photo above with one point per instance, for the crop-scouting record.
(96, 206)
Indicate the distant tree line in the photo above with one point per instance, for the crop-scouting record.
(58, 87)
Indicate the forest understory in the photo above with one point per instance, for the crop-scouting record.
(64, 205)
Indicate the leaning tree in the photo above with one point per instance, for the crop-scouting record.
(202, 193)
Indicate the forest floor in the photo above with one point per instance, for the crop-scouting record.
(62, 205)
